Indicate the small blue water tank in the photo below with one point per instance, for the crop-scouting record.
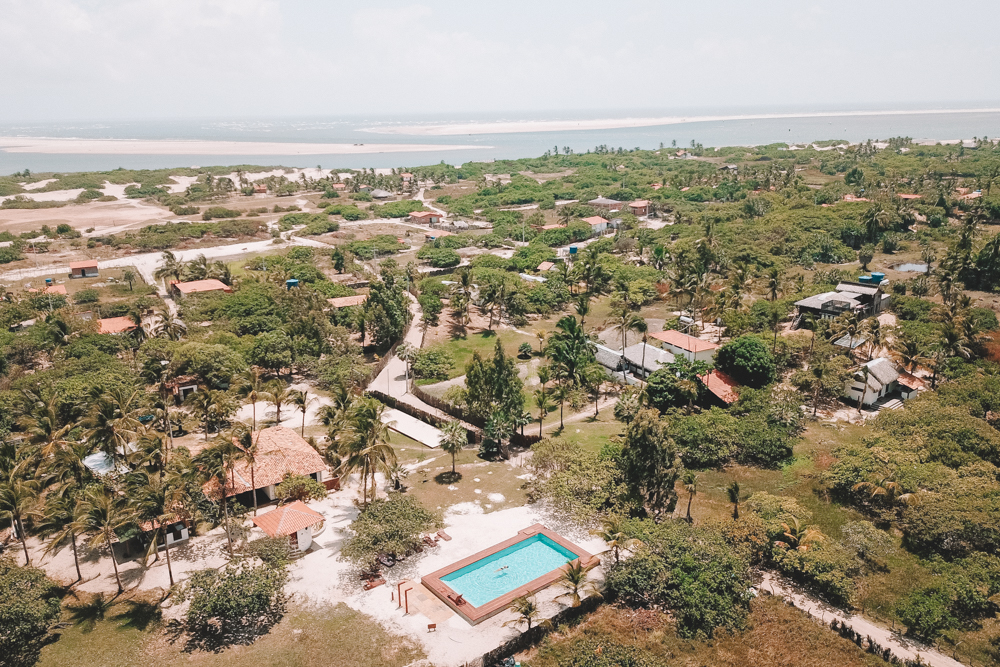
(865, 279)
(877, 278)
(572, 250)
(48, 281)
(291, 282)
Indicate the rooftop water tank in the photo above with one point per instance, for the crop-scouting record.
(48, 281)
(865, 279)
(877, 278)
(572, 250)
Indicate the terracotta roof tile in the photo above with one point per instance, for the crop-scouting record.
(86, 264)
(280, 451)
(287, 519)
(683, 341)
(194, 286)
(345, 301)
(114, 325)
(721, 385)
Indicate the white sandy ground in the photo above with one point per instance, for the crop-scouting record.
(39, 184)
(292, 415)
(413, 428)
(180, 183)
(72, 146)
(320, 578)
(508, 127)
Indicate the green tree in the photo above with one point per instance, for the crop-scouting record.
(299, 487)
(18, 499)
(103, 512)
(240, 596)
(691, 486)
(748, 361)
(527, 611)
(272, 350)
(302, 400)
(29, 606)
(159, 501)
(454, 438)
(575, 580)
(494, 385)
(650, 463)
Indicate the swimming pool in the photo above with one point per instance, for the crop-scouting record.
(507, 570)
(484, 584)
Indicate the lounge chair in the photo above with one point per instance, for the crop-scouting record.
(374, 583)
(386, 560)
(444, 536)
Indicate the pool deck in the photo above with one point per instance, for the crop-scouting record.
(474, 615)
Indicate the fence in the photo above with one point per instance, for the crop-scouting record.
(532, 636)
(446, 407)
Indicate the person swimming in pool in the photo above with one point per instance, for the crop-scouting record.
(501, 569)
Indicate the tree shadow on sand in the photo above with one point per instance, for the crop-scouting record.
(448, 477)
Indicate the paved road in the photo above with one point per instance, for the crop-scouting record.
(902, 647)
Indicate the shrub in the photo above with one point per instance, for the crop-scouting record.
(439, 257)
(300, 487)
(87, 296)
(239, 596)
(214, 212)
(748, 361)
(29, 605)
(433, 363)
(390, 526)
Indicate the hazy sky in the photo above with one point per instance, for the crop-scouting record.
(139, 59)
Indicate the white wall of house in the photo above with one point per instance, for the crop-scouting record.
(269, 491)
(304, 538)
(707, 356)
(855, 388)
(183, 535)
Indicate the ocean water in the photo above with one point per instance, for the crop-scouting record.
(506, 570)
(353, 130)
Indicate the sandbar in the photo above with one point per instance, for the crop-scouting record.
(510, 127)
(50, 145)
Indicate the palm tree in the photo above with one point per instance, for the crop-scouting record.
(277, 393)
(171, 268)
(543, 405)
(540, 335)
(113, 422)
(733, 493)
(368, 450)
(157, 501)
(613, 533)
(215, 464)
(206, 402)
(850, 325)
(561, 394)
(56, 522)
(575, 580)
(527, 612)
(570, 350)
(799, 536)
(908, 352)
(302, 400)
(773, 283)
(583, 307)
(691, 486)
(18, 498)
(103, 511)
(627, 321)
(888, 489)
(165, 325)
(42, 423)
(952, 340)
(453, 440)
(128, 275)
(250, 386)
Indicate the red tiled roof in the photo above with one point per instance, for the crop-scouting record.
(853, 198)
(339, 186)
(425, 214)
(721, 385)
(545, 266)
(908, 196)
(86, 264)
(55, 289)
(639, 203)
(114, 325)
(345, 301)
(909, 381)
(287, 519)
(683, 341)
(552, 226)
(194, 286)
(280, 451)
(437, 233)
(595, 220)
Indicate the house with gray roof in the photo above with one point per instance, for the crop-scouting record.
(848, 297)
(643, 359)
(878, 378)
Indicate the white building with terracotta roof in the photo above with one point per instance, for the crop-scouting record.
(280, 452)
(298, 522)
(83, 269)
(689, 347)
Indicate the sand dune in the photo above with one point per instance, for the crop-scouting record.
(509, 127)
(183, 147)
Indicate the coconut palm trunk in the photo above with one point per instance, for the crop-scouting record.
(76, 556)
(24, 539)
(114, 561)
(166, 549)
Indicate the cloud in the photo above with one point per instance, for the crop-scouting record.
(110, 59)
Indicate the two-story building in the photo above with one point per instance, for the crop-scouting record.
(862, 298)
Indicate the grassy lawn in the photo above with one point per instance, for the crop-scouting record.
(462, 349)
(435, 487)
(131, 633)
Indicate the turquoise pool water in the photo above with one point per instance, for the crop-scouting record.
(506, 570)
